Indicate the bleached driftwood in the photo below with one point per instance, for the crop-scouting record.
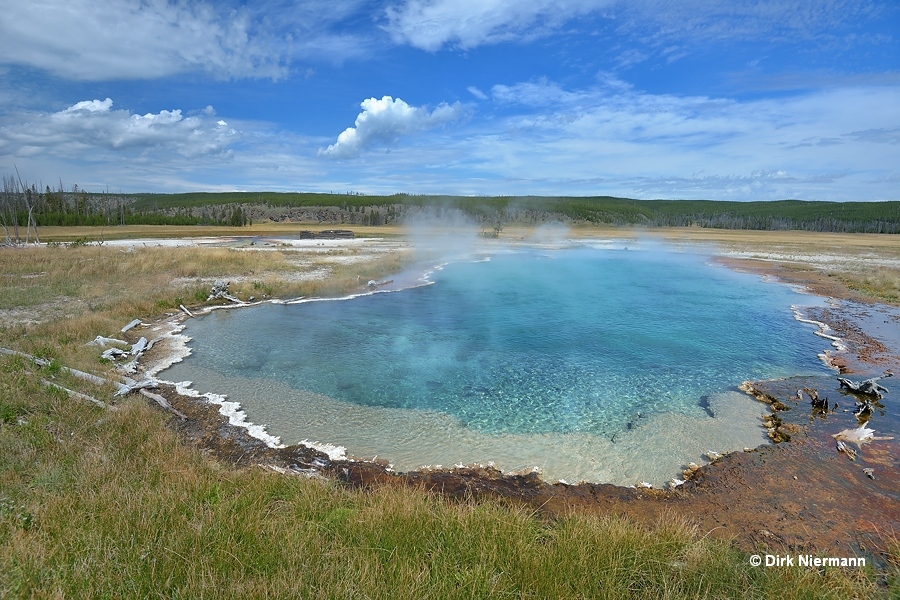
(186, 311)
(96, 380)
(220, 290)
(845, 449)
(112, 353)
(103, 342)
(134, 323)
(136, 385)
(139, 346)
(869, 387)
(863, 409)
(859, 436)
(75, 394)
(129, 368)
(137, 349)
(164, 403)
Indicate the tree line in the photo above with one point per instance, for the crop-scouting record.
(846, 217)
(24, 207)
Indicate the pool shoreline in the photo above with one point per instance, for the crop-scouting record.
(627, 449)
(721, 485)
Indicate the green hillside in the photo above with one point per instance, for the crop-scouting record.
(872, 217)
(240, 208)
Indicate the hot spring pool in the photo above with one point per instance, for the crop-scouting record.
(590, 364)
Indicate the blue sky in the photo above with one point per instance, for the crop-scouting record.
(725, 100)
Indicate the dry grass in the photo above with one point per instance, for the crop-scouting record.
(265, 228)
(882, 284)
(54, 300)
(98, 503)
(110, 504)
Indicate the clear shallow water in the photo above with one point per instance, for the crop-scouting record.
(570, 351)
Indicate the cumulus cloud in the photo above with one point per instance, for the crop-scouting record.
(385, 120)
(145, 39)
(93, 126)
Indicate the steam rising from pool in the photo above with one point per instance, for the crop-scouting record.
(589, 363)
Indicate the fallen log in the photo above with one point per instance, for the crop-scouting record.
(869, 387)
(135, 386)
(74, 372)
(112, 353)
(134, 323)
(75, 394)
(139, 346)
(186, 311)
(103, 342)
(163, 403)
(376, 284)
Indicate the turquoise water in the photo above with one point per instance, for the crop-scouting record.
(563, 343)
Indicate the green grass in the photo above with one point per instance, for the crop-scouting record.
(99, 503)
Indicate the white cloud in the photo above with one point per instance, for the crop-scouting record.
(93, 127)
(538, 93)
(146, 39)
(477, 92)
(536, 137)
(756, 20)
(90, 106)
(613, 139)
(433, 24)
(430, 24)
(385, 120)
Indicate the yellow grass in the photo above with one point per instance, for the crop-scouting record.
(98, 503)
(65, 296)
(265, 228)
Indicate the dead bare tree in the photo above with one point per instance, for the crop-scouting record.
(27, 197)
(8, 210)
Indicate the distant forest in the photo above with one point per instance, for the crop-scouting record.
(21, 204)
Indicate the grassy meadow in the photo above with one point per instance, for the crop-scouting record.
(100, 503)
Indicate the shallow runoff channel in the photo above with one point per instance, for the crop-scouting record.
(590, 363)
